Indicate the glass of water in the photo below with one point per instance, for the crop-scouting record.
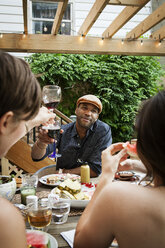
(60, 212)
(30, 179)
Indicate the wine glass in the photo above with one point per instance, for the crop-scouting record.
(51, 96)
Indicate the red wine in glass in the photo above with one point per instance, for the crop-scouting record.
(53, 130)
(51, 96)
(52, 105)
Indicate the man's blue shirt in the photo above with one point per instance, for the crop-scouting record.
(76, 151)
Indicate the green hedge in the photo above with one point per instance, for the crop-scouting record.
(121, 83)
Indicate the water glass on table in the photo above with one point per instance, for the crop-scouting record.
(60, 212)
(30, 179)
(39, 215)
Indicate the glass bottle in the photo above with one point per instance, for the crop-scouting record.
(85, 173)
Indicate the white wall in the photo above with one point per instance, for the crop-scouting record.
(11, 17)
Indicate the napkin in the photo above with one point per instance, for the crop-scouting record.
(69, 236)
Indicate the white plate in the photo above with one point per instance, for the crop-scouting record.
(53, 241)
(80, 203)
(61, 178)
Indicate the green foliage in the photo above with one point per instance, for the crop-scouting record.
(121, 83)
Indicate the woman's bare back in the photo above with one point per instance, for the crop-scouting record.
(141, 214)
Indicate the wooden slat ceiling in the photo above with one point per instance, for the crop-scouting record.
(130, 45)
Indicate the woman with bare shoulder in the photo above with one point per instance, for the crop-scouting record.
(20, 99)
(132, 214)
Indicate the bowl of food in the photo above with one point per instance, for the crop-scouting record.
(7, 187)
(73, 192)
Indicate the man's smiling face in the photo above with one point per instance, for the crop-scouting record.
(87, 114)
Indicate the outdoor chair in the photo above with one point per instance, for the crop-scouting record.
(47, 170)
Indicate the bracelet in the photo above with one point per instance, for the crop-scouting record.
(40, 147)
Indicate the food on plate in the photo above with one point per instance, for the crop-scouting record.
(72, 186)
(58, 178)
(52, 179)
(5, 179)
(18, 182)
(65, 194)
(131, 149)
(70, 190)
(37, 239)
(81, 196)
(125, 176)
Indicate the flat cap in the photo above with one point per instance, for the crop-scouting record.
(92, 100)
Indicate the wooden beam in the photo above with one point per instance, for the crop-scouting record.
(24, 4)
(55, 1)
(58, 17)
(158, 34)
(122, 19)
(43, 43)
(94, 13)
(157, 16)
(126, 2)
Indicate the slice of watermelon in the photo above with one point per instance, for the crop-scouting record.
(131, 149)
(37, 239)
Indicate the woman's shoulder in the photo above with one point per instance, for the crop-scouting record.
(127, 197)
(127, 194)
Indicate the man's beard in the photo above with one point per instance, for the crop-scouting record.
(86, 126)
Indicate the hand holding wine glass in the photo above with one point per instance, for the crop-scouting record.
(51, 97)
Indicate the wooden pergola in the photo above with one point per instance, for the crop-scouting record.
(83, 44)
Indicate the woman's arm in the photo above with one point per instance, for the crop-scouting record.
(12, 228)
(43, 117)
(95, 227)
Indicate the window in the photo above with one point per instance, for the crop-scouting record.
(43, 14)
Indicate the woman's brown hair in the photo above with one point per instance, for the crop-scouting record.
(150, 126)
(19, 90)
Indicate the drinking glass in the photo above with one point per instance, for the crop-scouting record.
(39, 215)
(60, 211)
(26, 191)
(51, 96)
(29, 179)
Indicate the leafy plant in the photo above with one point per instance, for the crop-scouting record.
(121, 83)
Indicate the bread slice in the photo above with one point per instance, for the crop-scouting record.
(81, 196)
(71, 186)
(18, 182)
(65, 194)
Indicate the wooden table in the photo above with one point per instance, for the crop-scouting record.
(55, 229)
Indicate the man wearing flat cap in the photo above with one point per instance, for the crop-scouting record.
(81, 141)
